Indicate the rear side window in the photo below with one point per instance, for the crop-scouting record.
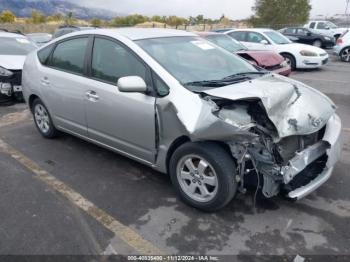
(312, 25)
(239, 36)
(70, 55)
(44, 54)
(290, 31)
(254, 37)
(111, 61)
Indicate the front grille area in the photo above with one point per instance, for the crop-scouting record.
(271, 68)
(307, 175)
(288, 146)
(16, 78)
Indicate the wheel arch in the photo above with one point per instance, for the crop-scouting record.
(185, 139)
(31, 100)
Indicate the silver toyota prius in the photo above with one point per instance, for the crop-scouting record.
(184, 106)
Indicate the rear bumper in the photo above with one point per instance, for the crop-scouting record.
(333, 139)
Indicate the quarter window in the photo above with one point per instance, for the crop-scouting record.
(70, 55)
(111, 61)
(312, 25)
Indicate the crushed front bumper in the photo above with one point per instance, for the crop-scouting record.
(331, 145)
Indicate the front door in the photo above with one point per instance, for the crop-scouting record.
(123, 121)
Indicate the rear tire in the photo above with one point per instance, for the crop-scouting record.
(42, 119)
(345, 55)
(290, 60)
(203, 175)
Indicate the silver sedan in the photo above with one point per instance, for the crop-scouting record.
(186, 107)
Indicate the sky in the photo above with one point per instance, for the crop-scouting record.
(234, 9)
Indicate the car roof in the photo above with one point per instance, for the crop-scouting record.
(11, 35)
(137, 33)
(204, 34)
(261, 30)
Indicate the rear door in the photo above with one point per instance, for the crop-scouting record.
(62, 84)
(123, 121)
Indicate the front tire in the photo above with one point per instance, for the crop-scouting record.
(203, 174)
(345, 54)
(42, 119)
(290, 60)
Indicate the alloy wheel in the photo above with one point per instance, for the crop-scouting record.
(345, 55)
(197, 178)
(42, 118)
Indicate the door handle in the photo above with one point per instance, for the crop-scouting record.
(45, 81)
(92, 96)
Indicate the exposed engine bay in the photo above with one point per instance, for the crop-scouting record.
(276, 160)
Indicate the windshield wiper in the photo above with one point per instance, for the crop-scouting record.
(218, 83)
(245, 74)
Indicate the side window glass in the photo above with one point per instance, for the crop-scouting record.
(321, 25)
(255, 37)
(111, 61)
(290, 31)
(161, 87)
(44, 54)
(239, 36)
(70, 55)
(312, 25)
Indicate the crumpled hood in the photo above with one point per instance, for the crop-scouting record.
(12, 62)
(264, 58)
(294, 108)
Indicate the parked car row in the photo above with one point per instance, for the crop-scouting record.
(188, 107)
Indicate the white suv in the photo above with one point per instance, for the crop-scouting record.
(342, 48)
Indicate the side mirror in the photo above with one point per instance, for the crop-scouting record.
(264, 42)
(132, 84)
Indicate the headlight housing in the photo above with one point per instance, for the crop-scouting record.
(4, 72)
(308, 53)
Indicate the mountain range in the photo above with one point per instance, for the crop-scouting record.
(23, 8)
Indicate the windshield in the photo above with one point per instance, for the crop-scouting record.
(277, 38)
(15, 46)
(331, 25)
(193, 59)
(226, 42)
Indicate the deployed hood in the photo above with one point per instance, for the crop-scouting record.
(294, 108)
(264, 58)
(12, 62)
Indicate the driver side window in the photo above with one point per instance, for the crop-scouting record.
(254, 37)
(111, 61)
(321, 25)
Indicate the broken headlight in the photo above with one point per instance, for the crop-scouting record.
(5, 89)
(4, 72)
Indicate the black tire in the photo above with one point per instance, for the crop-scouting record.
(291, 60)
(318, 43)
(224, 166)
(344, 54)
(51, 132)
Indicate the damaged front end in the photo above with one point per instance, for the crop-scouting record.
(283, 131)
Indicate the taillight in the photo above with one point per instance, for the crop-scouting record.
(339, 41)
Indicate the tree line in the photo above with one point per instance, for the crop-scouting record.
(6, 16)
(272, 13)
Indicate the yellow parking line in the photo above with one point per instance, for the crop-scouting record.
(124, 232)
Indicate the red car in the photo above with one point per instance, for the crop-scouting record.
(268, 60)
